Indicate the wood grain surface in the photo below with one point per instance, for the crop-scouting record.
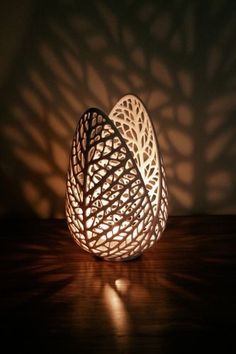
(178, 297)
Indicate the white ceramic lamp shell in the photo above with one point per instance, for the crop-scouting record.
(116, 196)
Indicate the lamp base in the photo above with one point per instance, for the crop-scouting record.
(131, 258)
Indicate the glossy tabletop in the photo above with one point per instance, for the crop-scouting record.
(178, 297)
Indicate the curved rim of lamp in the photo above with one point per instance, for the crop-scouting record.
(116, 196)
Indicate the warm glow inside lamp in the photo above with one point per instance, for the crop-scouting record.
(116, 195)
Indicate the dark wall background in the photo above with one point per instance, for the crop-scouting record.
(60, 57)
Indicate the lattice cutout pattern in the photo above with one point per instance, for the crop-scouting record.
(116, 199)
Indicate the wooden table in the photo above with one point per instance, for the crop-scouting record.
(178, 297)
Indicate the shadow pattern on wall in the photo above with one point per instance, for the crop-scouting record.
(178, 56)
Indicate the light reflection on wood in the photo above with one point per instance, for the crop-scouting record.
(52, 290)
(116, 310)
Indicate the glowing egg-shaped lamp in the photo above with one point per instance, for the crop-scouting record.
(116, 194)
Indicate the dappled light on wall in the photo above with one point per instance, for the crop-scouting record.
(176, 56)
(116, 198)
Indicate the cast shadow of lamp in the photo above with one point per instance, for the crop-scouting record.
(116, 195)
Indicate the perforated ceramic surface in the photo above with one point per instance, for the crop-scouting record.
(116, 199)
